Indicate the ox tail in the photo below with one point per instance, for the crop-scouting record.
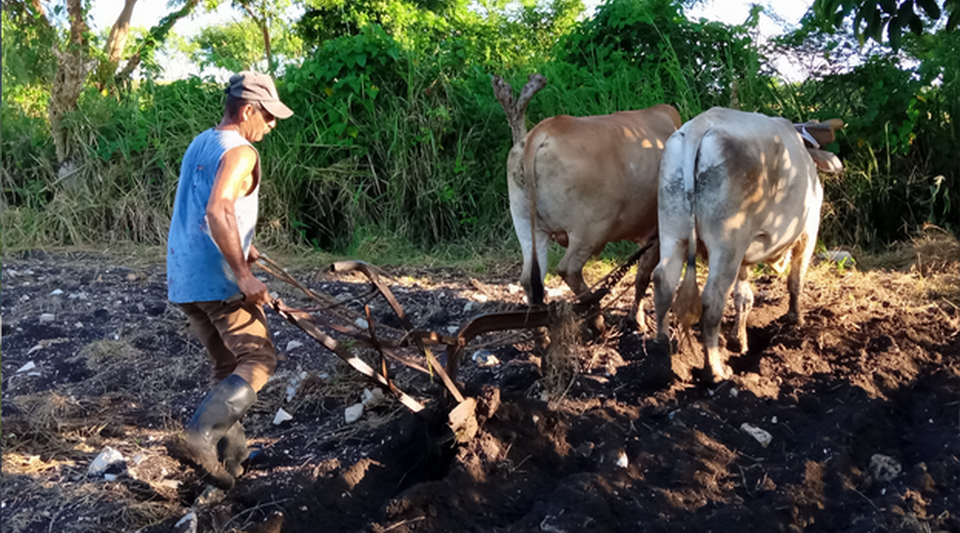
(689, 305)
(529, 171)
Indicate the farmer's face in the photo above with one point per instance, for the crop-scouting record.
(256, 122)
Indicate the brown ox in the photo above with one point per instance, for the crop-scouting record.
(743, 188)
(587, 181)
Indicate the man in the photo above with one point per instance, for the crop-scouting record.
(209, 252)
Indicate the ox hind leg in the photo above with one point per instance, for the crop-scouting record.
(645, 268)
(724, 270)
(665, 278)
(570, 269)
(521, 224)
(743, 303)
(799, 263)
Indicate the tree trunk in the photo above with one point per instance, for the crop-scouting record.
(69, 79)
(266, 45)
(115, 44)
(265, 29)
(157, 35)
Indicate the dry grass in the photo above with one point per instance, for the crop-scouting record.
(45, 419)
(56, 504)
(562, 363)
(914, 275)
(104, 355)
(932, 260)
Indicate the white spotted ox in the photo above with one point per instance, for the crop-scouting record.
(587, 181)
(742, 189)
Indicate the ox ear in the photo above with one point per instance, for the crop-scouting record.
(826, 161)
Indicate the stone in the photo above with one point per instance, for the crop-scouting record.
(281, 417)
(884, 468)
(293, 345)
(372, 398)
(761, 436)
(187, 524)
(107, 458)
(353, 413)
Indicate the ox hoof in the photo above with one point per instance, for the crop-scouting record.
(714, 376)
(794, 319)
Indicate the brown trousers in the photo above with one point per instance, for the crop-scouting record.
(237, 339)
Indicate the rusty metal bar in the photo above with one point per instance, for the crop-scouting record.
(492, 322)
(302, 321)
(371, 274)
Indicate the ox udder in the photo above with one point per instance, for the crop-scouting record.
(743, 188)
(587, 181)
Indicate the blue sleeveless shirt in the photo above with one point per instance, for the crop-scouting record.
(196, 270)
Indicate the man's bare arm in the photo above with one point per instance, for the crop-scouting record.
(236, 167)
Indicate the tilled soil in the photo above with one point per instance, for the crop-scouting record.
(858, 412)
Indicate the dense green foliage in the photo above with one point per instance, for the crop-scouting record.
(397, 138)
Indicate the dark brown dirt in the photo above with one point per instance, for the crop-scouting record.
(620, 447)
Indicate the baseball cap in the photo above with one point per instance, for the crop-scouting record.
(257, 87)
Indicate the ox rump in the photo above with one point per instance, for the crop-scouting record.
(587, 181)
(742, 189)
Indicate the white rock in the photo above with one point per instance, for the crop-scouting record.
(556, 293)
(513, 288)
(734, 392)
(78, 325)
(760, 435)
(27, 367)
(453, 329)
(622, 460)
(56, 292)
(281, 417)
(468, 307)
(108, 456)
(77, 296)
(46, 318)
(293, 345)
(483, 358)
(372, 398)
(362, 323)
(109, 477)
(884, 468)
(34, 374)
(291, 392)
(187, 524)
(480, 298)
(353, 413)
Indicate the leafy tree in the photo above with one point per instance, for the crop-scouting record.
(233, 44)
(69, 39)
(486, 32)
(696, 61)
(239, 46)
(872, 17)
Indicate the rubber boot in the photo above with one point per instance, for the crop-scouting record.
(233, 451)
(220, 410)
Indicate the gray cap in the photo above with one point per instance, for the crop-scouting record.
(256, 87)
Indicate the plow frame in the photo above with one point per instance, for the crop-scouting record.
(461, 417)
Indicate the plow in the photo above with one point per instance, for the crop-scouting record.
(412, 347)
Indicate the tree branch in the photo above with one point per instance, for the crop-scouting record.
(155, 36)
